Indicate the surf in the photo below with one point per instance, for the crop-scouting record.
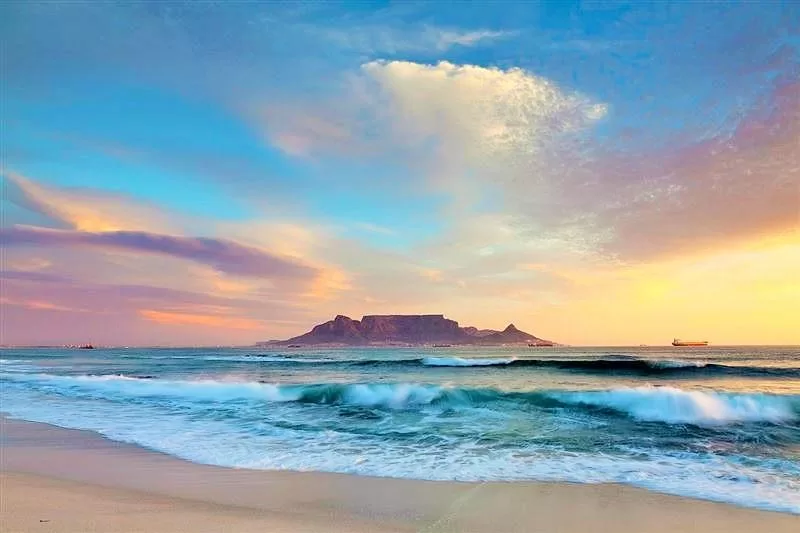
(669, 405)
(619, 365)
(677, 406)
(611, 365)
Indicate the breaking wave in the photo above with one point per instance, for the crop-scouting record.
(621, 365)
(611, 365)
(678, 406)
(470, 361)
(668, 405)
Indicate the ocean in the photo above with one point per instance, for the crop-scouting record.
(717, 423)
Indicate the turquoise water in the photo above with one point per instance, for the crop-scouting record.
(713, 423)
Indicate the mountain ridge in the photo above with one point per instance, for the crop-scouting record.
(405, 330)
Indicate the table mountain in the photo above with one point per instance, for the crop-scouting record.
(406, 329)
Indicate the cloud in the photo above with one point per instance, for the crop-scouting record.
(528, 146)
(457, 129)
(470, 133)
(83, 209)
(40, 305)
(112, 313)
(194, 319)
(270, 261)
(531, 179)
(703, 195)
(38, 277)
(23, 285)
(478, 109)
(223, 255)
(374, 228)
(298, 134)
(398, 38)
(448, 38)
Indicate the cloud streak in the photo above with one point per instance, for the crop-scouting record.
(195, 319)
(83, 209)
(406, 38)
(223, 255)
(702, 196)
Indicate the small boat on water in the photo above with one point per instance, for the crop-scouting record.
(679, 342)
(86, 347)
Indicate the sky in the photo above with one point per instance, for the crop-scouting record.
(220, 173)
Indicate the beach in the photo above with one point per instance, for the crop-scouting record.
(61, 480)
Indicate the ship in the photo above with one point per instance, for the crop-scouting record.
(679, 342)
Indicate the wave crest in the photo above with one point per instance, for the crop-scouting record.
(669, 405)
(678, 406)
(618, 364)
(462, 361)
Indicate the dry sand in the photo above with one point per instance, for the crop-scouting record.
(59, 480)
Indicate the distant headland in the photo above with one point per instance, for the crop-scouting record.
(389, 330)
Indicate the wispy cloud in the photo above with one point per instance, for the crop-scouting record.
(40, 305)
(375, 228)
(195, 319)
(38, 277)
(704, 195)
(223, 255)
(83, 208)
(391, 39)
(448, 38)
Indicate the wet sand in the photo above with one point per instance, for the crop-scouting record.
(60, 480)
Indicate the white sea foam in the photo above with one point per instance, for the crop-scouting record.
(673, 405)
(17, 365)
(669, 363)
(393, 396)
(461, 361)
(659, 404)
(270, 359)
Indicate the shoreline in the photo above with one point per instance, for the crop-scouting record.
(39, 459)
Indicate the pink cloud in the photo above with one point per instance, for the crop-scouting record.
(223, 255)
(42, 310)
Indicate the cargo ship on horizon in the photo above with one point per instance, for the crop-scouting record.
(678, 342)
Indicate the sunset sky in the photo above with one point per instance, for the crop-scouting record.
(597, 173)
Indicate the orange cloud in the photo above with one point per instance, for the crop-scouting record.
(87, 210)
(432, 274)
(40, 305)
(192, 319)
(328, 282)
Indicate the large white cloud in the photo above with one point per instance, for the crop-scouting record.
(476, 135)
(476, 111)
